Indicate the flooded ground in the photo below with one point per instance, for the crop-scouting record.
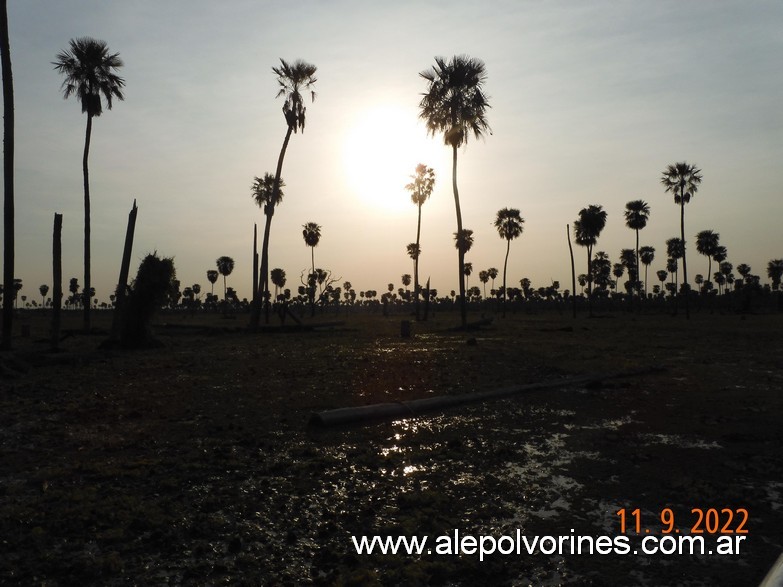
(194, 465)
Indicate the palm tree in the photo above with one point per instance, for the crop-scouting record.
(212, 277)
(312, 235)
(618, 269)
(509, 224)
(266, 197)
(468, 273)
(775, 272)
(674, 252)
(293, 79)
(455, 105)
(8, 172)
(707, 243)
(637, 213)
(682, 179)
(587, 229)
(493, 273)
(225, 266)
(647, 256)
(278, 279)
(484, 278)
(420, 189)
(44, 289)
(89, 71)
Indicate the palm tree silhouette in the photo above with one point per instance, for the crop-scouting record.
(637, 213)
(775, 272)
(278, 279)
(292, 79)
(618, 269)
(44, 289)
(682, 180)
(225, 266)
(89, 71)
(266, 197)
(647, 256)
(707, 243)
(420, 189)
(493, 273)
(455, 105)
(587, 229)
(212, 277)
(484, 278)
(510, 225)
(312, 235)
(468, 273)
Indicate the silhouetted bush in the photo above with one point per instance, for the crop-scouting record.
(150, 291)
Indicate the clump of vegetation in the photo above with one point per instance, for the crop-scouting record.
(152, 288)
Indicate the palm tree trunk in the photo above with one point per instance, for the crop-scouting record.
(573, 271)
(590, 280)
(8, 177)
(86, 172)
(416, 266)
(312, 288)
(505, 265)
(461, 253)
(684, 263)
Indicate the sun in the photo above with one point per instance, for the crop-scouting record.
(381, 152)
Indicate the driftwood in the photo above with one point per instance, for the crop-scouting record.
(411, 408)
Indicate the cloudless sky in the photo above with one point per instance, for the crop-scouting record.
(590, 102)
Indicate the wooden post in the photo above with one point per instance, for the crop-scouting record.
(122, 286)
(57, 279)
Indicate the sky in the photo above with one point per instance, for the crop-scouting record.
(590, 101)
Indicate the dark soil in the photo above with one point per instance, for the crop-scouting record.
(192, 464)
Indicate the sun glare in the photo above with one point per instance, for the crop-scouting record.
(381, 152)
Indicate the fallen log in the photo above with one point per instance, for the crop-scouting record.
(416, 407)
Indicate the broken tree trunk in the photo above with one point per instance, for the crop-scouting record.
(412, 408)
(122, 286)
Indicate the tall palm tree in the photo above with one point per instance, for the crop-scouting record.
(278, 279)
(682, 180)
(587, 229)
(225, 266)
(8, 173)
(312, 235)
(468, 273)
(510, 225)
(90, 73)
(484, 278)
(637, 213)
(293, 80)
(455, 105)
(707, 243)
(493, 274)
(420, 189)
(43, 290)
(647, 256)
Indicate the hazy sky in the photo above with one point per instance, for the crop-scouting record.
(590, 102)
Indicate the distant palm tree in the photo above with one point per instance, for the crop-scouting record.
(707, 243)
(463, 241)
(744, 270)
(455, 105)
(628, 259)
(493, 273)
(312, 236)
(509, 225)
(293, 79)
(225, 266)
(775, 272)
(278, 279)
(212, 277)
(637, 213)
(618, 269)
(587, 229)
(420, 189)
(484, 278)
(89, 71)
(44, 289)
(682, 180)
(646, 256)
(662, 275)
(674, 252)
(468, 273)
(267, 192)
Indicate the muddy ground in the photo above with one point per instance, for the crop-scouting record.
(193, 464)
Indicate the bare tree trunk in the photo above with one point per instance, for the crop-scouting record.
(57, 278)
(8, 177)
(505, 265)
(461, 254)
(416, 266)
(684, 263)
(122, 285)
